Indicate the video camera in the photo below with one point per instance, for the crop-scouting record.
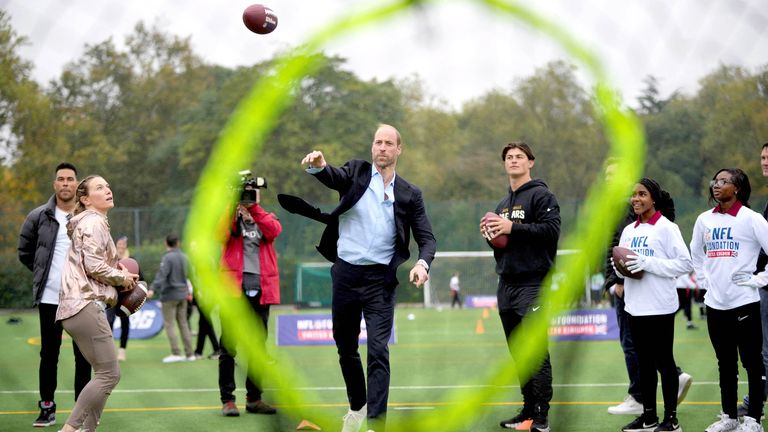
(248, 196)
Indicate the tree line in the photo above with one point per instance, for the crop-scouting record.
(146, 115)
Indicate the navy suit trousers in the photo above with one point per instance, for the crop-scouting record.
(367, 291)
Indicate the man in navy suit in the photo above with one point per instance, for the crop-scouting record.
(366, 238)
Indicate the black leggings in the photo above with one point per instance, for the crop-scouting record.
(125, 326)
(653, 336)
(738, 332)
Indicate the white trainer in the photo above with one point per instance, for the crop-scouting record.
(174, 359)
(750, 425)
(353, 420)
(629, 406)
(725, 424)
(683, 385)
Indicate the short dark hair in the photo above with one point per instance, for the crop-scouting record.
(517, 145)
(172, 240)
(765, 145)
(65, 165)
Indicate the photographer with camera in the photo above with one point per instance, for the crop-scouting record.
(249, 256)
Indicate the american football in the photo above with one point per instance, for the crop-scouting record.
(129, 302)
(500, 241)
(259, 19)
(620, 259)
(130, 264)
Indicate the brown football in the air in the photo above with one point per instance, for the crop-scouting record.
(620, 259)
(259, 19)
(500, 241)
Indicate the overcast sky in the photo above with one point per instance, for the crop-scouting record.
(457, 47)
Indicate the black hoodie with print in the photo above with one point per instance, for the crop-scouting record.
(532, 245)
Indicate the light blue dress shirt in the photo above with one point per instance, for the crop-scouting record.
(367, 230)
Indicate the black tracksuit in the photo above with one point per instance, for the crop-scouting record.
(522, 266)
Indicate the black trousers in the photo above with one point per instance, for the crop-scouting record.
(206, 330)
(367, 290)
(455, 299)
(654, 336)
(628, 346)
(125, 325)
(738, 332)
(537, 388)
(227, 353)
(685, 298)
(50, 346)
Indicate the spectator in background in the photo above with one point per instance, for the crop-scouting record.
(686, 288)
(43, 247)
(454, 284)
(761, 264)
(249, 258)
(125, 324)
(171, 284)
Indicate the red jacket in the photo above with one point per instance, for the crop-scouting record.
(232, 258)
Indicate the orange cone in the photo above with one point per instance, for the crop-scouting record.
(479, 328)
(307, 425)
(485, 313)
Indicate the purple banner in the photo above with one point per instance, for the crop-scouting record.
(313, 329)
(486, 301)
(585, 324)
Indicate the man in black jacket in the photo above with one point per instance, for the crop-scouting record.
(530, 216)
(367, 237)
(43, 246)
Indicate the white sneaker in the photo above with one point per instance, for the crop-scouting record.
(725, 424)
(683, 385)
(629, 406)
(353, 420)
(174, 359)
(191, 358)
(750, 425)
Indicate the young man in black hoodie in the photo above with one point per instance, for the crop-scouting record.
(530, 217)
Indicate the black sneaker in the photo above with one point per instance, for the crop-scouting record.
(523, 415)
(47, 415)
(642, 424)
(669, 424)
(540, 424)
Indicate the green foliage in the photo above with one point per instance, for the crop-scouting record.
(147, 116)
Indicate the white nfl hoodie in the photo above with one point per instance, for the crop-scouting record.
(667, 257)
(723, 244)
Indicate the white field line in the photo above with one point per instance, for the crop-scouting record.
(434, 387)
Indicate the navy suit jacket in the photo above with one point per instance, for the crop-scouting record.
(351, 181)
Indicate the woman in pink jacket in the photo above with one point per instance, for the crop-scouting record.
(88, 282)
